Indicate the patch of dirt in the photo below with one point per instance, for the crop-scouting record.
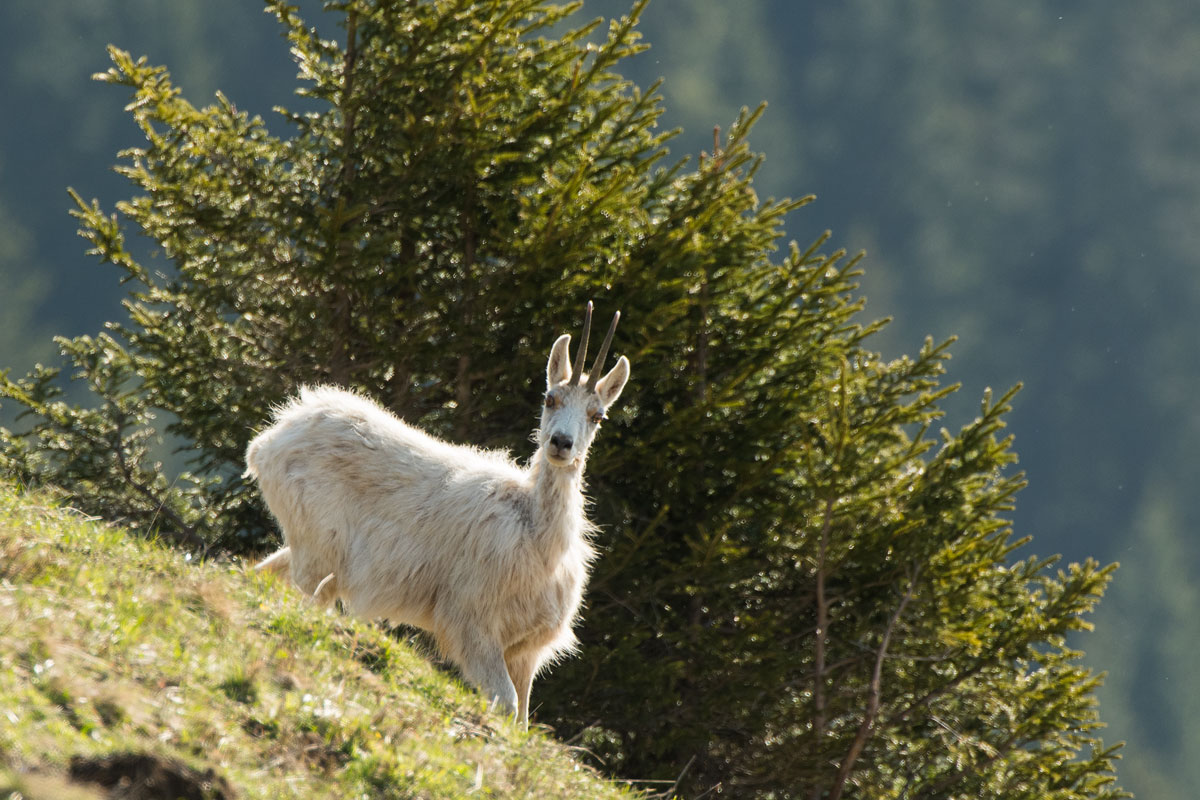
(145, 776)
(311, 750)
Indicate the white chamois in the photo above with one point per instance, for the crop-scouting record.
(488, 556)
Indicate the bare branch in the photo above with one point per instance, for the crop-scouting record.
(873, 698)
(821, 633)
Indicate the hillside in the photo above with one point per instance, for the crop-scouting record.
(121, 656)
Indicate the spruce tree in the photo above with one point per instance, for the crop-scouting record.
(801, 593)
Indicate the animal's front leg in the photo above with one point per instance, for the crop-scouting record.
(521, 668)
(483, 664)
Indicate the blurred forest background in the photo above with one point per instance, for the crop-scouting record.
(1026, 178)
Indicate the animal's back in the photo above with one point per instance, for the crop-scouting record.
(329, 427)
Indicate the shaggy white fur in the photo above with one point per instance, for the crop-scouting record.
(489, 556)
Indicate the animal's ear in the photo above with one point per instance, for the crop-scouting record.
(558, 368)
(610, 386)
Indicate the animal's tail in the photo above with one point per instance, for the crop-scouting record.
(251, 452)
(279, 563)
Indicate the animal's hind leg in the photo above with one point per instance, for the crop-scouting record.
(326, 591)
(279, 563)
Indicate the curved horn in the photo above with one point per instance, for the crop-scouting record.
(599, 365)
(581, 353)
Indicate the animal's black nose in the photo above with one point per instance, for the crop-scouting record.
(561, 441)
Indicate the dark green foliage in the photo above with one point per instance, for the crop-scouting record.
(801, 594)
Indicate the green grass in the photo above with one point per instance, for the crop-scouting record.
(112, 644)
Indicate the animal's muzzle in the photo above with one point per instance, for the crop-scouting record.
(560, 445)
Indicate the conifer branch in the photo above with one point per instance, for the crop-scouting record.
(342, 306)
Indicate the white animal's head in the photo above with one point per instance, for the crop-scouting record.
(576, 402)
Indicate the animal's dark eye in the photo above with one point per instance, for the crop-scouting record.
(551, 401)
(598, 417)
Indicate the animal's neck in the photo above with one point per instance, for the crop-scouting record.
(557, 503)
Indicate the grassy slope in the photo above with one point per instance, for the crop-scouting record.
(109, 643)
